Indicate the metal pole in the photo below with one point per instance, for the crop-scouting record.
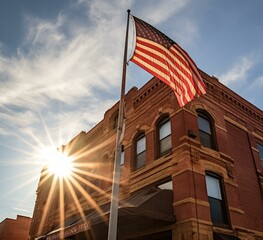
(113, 221)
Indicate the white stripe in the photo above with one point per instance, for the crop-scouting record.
(165, 50)
(161, 73)
(196, 80)
(191, 86)
(179, 81)
(165, 76)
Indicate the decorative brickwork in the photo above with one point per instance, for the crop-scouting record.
(237, 127)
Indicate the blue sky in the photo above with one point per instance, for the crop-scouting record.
(61, 67)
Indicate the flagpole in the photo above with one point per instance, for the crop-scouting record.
(113, 221)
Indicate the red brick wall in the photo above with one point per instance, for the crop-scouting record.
(248, 186)
(15, 229)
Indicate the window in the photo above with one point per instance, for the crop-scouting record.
(122, 159)
(167, 185)
(122, 156)
(115, 121)
(216, 200)
(206, 132)
(260, 152)
(164, 136)
(140, 151)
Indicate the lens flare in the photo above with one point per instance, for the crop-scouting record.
(58, 163)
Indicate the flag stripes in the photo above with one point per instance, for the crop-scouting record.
(158, 60)
(164, 59)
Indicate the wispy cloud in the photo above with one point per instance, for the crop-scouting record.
(68, 70)
(257, 83)
(183, 30)
(157, 12)
(239, 71)
(21, 210)
(66, 64)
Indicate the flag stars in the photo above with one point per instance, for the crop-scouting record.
(171, 65)
(145, 30)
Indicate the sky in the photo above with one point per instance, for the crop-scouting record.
(61, 68)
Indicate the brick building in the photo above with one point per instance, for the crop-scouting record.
(15, 229)
(187, 173)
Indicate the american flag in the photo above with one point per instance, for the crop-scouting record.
(163, 58)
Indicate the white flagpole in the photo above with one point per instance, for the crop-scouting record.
(113, 221)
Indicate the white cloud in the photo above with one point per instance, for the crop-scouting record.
(71, 64)
(258, 83)
(18, 118)
(239, 72)
(188, 33)
(183, 29)
(43, 31)
(21, 209)
(60, 69)
(157, 12)
(4, 132)
(57, 83)
(65, 60)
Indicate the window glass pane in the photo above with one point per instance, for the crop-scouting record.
(213, 187)
(165, 145)
(122, 158)
(115, 124)
(205, 139)
(216, 211)
(260, 150)
(204, 125)
(140, 160)
(140, 147)
(167, 185)
(165, 130)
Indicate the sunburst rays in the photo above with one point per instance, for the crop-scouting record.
(80, 185)
(59, 163)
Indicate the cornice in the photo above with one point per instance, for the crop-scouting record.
(223, 95)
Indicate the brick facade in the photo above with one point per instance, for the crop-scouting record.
(15, 229)
(238, 127)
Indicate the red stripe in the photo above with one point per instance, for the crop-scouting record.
(177, 66)
(174, 53)
(156, 47)
(197, 77)
(159, 77)
(171, 68)
(180, 91)
(156, 66)
(160, 68)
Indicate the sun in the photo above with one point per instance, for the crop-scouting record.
(58, 163)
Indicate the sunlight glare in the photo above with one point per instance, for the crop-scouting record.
(59, 164)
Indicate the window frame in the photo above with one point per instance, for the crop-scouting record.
(138, 137)
(122, 156)
(220, 202)
(161, 122)
(260, 152)
(115, 120)
(201, 114)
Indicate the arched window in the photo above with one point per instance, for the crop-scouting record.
(206, 130)
(164, 143)
(140, 151)
(216, 198)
